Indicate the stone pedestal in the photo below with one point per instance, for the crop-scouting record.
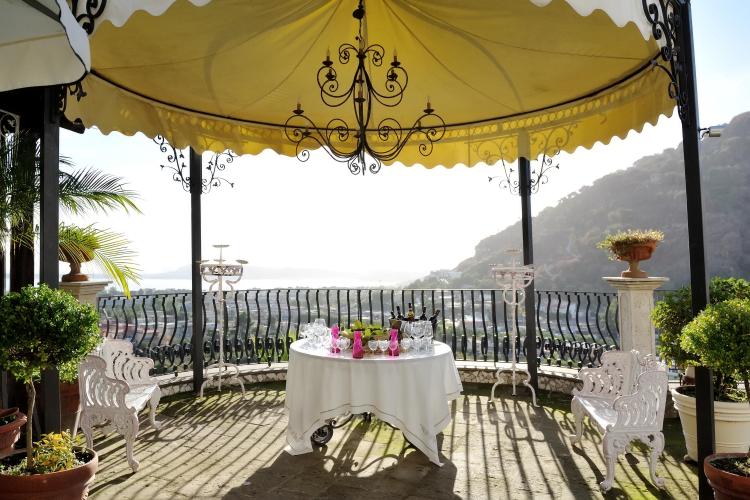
(85, 291)
(635, 297)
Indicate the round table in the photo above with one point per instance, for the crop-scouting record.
(410, 392)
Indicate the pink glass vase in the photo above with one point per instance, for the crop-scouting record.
(393, 344)
(357, 351)
(335, 340)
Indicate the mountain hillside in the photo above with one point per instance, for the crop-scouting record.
(650, 194)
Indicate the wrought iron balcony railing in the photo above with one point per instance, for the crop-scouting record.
(573, 328)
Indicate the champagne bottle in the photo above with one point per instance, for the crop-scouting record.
(398, 312)
(410, 313)
(434, 317)
(423, 316)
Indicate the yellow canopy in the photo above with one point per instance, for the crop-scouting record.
(553, 74)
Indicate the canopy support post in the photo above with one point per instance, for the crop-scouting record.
(524, 186)
(49, 238)
(196, 189)
(698, 276)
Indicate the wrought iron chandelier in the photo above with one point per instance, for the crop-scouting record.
(362, 95)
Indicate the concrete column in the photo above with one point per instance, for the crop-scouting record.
(635, 297)
(85, 292)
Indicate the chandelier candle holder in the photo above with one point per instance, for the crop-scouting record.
(219, 273)
(513, 280)
(350, 144)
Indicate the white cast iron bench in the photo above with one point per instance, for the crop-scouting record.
(625, 399)
(115, 385)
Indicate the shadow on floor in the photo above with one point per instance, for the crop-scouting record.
(347, 473)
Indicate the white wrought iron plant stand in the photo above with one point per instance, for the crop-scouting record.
(219, 273)
(513, 280)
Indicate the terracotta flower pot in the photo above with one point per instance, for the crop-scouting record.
(70, 484)
(75, 273)
(9, 432)
(726, 485)
(633, 254)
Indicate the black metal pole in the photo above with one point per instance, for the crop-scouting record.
(196, 189)
(524, 186)
(49, 239)
(698, 277)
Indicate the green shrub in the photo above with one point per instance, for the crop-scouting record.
(674, 312)
(720, 338)
(42, 328)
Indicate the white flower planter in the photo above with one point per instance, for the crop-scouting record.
(732, 425)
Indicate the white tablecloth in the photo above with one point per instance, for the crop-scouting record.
(410, 392)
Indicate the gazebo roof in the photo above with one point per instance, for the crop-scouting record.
(216, 75)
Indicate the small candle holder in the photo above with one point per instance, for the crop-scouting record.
(219, 273)
(513, 280)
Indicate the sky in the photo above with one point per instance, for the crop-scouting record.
(408, 221)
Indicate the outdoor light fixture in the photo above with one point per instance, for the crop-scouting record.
(714, 131)
(337, 136)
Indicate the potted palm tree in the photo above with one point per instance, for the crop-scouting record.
(42, 328)
(109, 250)
(632, 246)
(81, 191)
(719, 338)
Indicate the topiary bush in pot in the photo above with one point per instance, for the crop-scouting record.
(42, 328)
(674, 312)
(719, 338)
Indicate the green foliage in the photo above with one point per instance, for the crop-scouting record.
(41, 328)
(674, 312)
(720, 337)
(670, 315)
(90, 189)
(52, 453)
(618, 242)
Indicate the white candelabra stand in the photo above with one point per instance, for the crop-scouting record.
(219, 273)
(513, 280)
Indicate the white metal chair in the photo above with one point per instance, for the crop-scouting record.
(625, 398)
(115, 385)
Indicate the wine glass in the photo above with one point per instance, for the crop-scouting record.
(416, 338)
(305, 333)
(383, 345)
(343, 343)
(372, 345)
(323, 340)
(320, 323)
(406, 343)
(428, 335)
(407, 328)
